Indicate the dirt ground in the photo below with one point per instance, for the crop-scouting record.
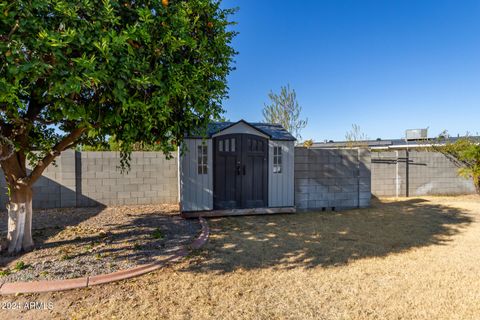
(79, 242)
(415, 258)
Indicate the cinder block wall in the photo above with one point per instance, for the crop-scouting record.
(94, 178)
(48, 189)
(384, 174)
(332, 178)
(416, 173)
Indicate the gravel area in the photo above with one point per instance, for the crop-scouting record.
(79, 242)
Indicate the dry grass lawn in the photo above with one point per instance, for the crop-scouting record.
(416, 258)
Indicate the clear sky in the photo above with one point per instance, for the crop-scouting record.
(385, 65)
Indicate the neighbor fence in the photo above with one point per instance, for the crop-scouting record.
(83, 179)
(405, 173)
(324, 178)
(332, 179)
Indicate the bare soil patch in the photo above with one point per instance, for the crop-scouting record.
(413, 258)
(79, 242)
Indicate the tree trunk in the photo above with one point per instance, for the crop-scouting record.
(19, 234)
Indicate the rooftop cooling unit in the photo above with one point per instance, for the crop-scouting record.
(416, 134)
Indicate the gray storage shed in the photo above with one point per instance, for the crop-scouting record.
(238, 168)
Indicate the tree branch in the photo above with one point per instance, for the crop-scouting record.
(67, 142)
(15, 27)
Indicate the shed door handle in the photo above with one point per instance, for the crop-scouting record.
(244, 171)
(238, 169)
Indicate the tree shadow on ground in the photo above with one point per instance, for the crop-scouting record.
(147, 237)
(47, 223)
(327, 239)
(134, 235)
(125, 239)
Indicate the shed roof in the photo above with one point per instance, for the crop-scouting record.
(273, 131)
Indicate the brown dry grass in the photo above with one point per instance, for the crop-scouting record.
(414, 258)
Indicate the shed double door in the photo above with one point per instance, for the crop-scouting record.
(241, 171)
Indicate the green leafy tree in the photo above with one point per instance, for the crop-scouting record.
(465, 154)
(74, 72)
(112, 145)
(285, 110)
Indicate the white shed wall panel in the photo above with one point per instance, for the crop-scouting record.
(281, 185)
(196, 190)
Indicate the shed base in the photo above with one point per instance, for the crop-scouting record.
(237, 212)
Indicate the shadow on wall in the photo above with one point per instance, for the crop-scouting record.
(86, 179)
(327, 239)
(416, 173)
(332, 179)
(48, 193)
(59, 187)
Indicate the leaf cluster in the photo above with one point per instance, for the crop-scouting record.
(465, 153)
(139, 70)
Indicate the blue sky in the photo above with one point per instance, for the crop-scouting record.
(384, 65)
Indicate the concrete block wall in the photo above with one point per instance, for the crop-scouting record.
(85, 179)
(332, 179)
(48, 189)
(384, 174)
(416, 173)
(324, 178)
(151, 179)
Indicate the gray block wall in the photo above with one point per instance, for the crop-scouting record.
(324, 178)
(332, 179)
(49, 187)
(416, 173)
(85, 179)
(384, 168)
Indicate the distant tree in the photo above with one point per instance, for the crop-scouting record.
(285, 110)
(464, 153)
(74, 72)
(355, 137)
(112, 144)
